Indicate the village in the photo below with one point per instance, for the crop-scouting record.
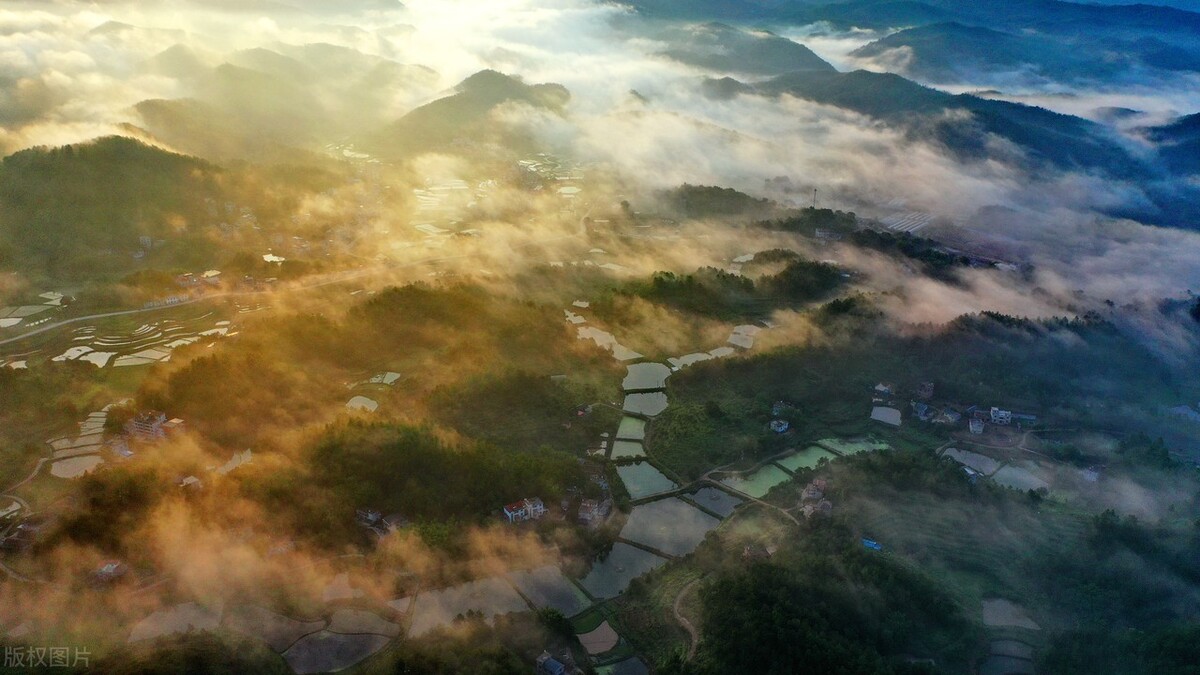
(652, 515)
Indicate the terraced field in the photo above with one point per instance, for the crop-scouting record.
(120, 342)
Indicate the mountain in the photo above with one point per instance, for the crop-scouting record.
(263, 104)
(178, 61)
(62, 208)
(703, 9)
(1171, 24)
(1046, 138)
(1051, 16)
(724, 48)
(465, 114)
(1179, 143)
(199, 129)
(954, 52)
(966, 127)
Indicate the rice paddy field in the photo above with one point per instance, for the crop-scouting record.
(181, 618)
(124, 341)
(632, 429)
(759, 483)
(1020, 476)
(547, 587)
(647, 405)
(278, 631)
(643, 480)
(981, 463)
(611, 576)
(326, 651)
(627, 450)
(490, 597)
(805, 459)
(669, 525)
(646, 376)
(717, 501)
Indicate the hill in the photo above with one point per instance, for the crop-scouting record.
(1051, 16)
(265, 104)
(954, 52)
(465, 114)
(79, 210)
(1046, 138)
(1171, 24)
(720, 47)
(1179, 143)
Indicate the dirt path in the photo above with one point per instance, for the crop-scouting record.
(683, 620)
(41, 462)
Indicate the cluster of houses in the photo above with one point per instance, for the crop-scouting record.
(978, 418)
(886, 410)
(530, 508)
(593, 512)
(152, 426)
(813, 501)
(191, 280)
(563, 664)
(378, 524)
(147, 426)
(24, 534)
(778, 410)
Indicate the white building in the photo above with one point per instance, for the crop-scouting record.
(526, 509)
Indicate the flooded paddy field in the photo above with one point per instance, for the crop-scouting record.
(632, 429)
(121, 342)
(490, 597)
(717, 501)
(647, 405)
(611, 576)
(643, 480)
(646, 377)
(981, 463)
(759, 483)
(547, 587)
(805, 459)
(627, 450)
(670, 525)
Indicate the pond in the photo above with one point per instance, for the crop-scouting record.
(670, 525)
(632, 429)
(718, 501)
(760, 482)
(627, 449)
(547, 587)
(489, 597)
(646, 404)
(646, 376)
(325, 651)
(805, 459)
(981, 463)
(643, 480)
(611, 576)
(1018, 477)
